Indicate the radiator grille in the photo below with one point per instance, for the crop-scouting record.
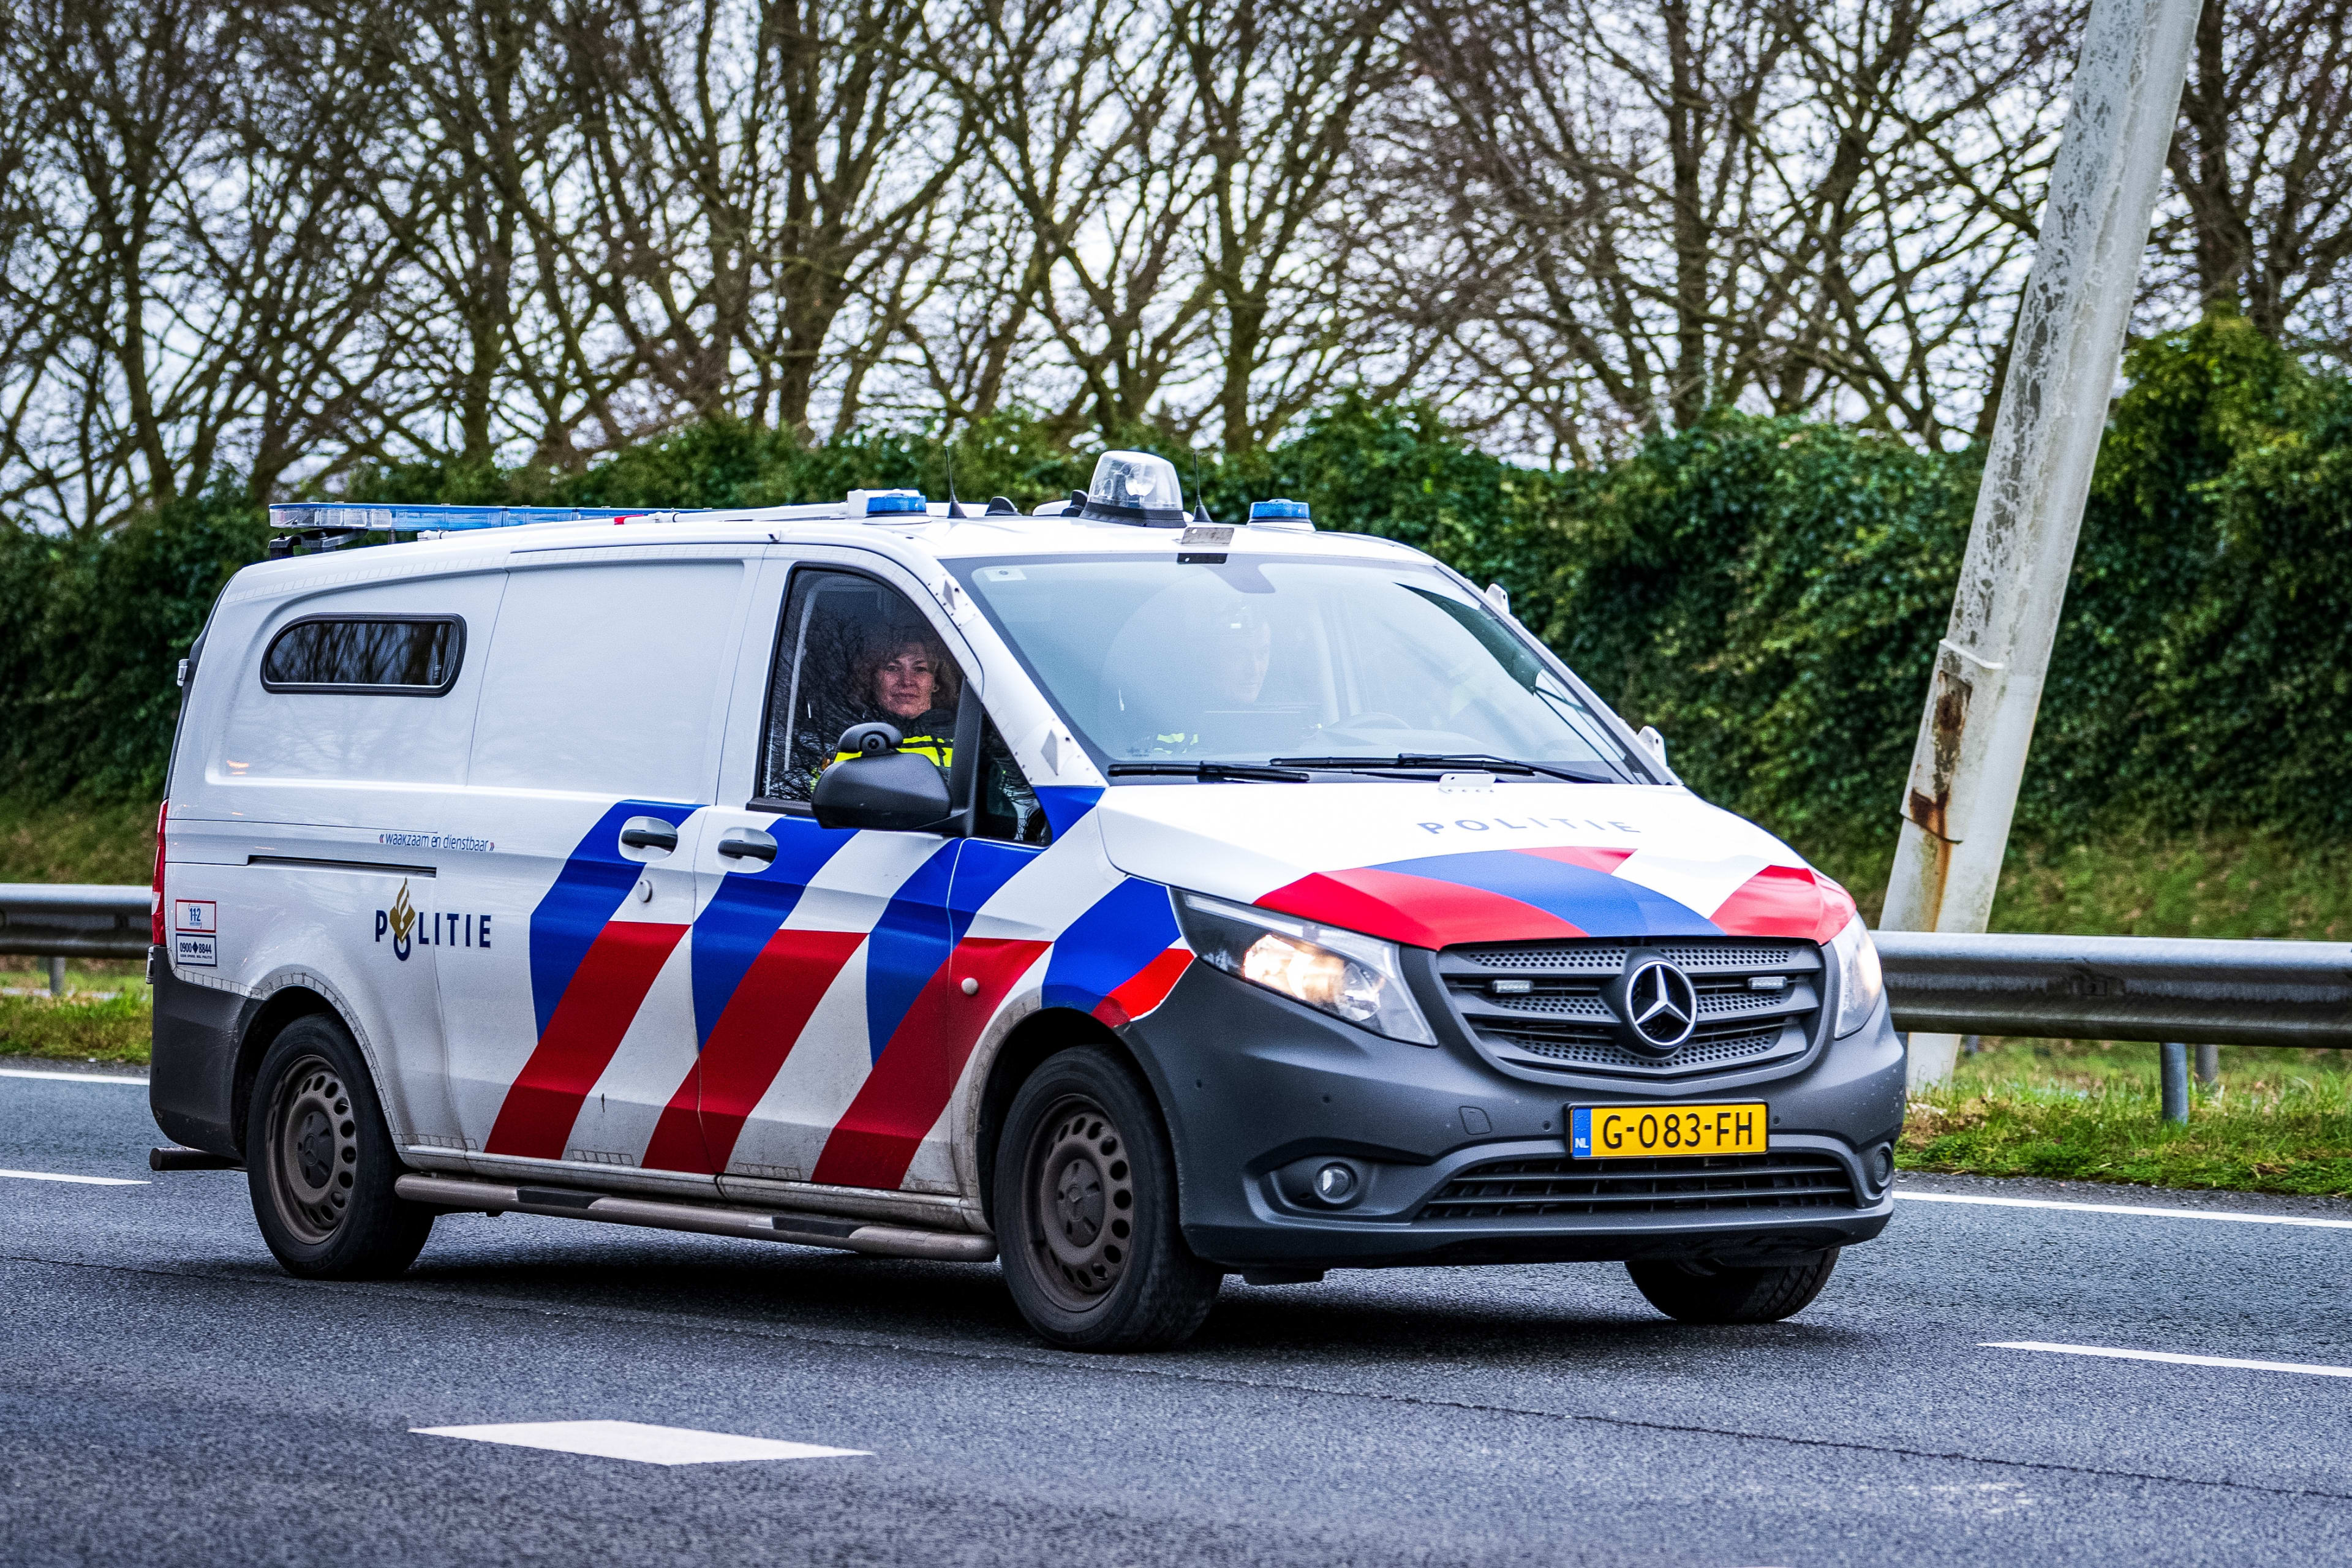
(1546, 1004)
(1520, 1189)
(1703, 1051)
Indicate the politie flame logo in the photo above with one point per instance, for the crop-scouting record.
(401, 921)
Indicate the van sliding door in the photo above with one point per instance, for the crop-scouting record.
(570, 1017)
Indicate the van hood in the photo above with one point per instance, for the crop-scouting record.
(1431, 865)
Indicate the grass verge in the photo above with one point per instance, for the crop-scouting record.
(47, 841)
(78, 1028)
(2278, 1121)
(2216, 884)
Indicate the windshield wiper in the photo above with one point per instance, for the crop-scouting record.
(1416, 759)
(1208, 772)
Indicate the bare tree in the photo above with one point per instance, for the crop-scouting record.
(1279, 91)
(1088, 124)
(2262, 167)
(1725, 202)
(195, 278)
(753, 165)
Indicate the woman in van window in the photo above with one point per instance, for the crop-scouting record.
(907, 681)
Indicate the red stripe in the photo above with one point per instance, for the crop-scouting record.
(762, 1022)
(1419, 911)
(581, 1035)
(677, 1143)
(755, 1032)
(901, 1098)
(1779, 900)
(1604, 861)
(1145, 990)
(1837, 908)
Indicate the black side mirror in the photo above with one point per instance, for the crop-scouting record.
(880, 787)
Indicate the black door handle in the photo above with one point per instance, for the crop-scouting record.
(747, 844)
(663, 839)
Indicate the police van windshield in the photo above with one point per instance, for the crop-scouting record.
(1158, 660)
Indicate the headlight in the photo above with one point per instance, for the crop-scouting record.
(1342, 973)
(1859, 984)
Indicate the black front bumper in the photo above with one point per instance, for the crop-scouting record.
(1260, 1091)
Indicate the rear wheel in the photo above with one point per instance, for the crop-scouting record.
(1086, 1212)
(320, 1161)
(1698, 1292)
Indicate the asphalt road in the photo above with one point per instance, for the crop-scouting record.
(167, 1396)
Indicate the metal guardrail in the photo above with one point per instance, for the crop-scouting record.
(2227, 992)
(2165, 989)
(64, 919)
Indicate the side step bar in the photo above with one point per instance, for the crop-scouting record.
(467, 1195)
(174, 1158)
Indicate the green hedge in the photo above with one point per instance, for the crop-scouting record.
(1767, 592)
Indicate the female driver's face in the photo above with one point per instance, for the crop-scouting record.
(905, 683)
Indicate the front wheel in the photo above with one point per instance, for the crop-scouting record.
(1696, 1292)
(1086, 1212)
(320, 1161)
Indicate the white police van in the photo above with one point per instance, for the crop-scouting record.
(1131, 899)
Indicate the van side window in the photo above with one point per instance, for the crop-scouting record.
(393, 656)
(1008, 806)
(852, 651)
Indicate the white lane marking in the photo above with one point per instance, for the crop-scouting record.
(87, 1181)
(2310, 1368)
(2128, 1208)
(635, 1440)
(70, 1077)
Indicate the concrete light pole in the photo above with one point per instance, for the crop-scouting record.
(1963, 791)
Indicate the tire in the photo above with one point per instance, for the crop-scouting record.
(1697, 1292)
(320, 1161)
(1086, 1212)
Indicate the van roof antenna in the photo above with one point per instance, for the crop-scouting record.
(1200, 496)
(955, 507)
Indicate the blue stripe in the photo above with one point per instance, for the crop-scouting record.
(908, 945)
(1065, 804)
(749, 905)
(985, 866)
(1109, 945)
(1593, 902)
(594, 879)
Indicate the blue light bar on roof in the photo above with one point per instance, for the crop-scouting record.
(335, 516)
(885, 503)
(1280, 507)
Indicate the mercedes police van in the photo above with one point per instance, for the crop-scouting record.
(1130, 898)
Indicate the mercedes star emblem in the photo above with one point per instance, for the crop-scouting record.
(1660, 1004)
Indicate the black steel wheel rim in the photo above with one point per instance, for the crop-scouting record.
(1082, 1190)
(314, 1148)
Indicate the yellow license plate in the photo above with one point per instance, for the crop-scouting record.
(1647, 1131)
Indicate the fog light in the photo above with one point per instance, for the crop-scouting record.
(1335, 1183)
(1882, 1164)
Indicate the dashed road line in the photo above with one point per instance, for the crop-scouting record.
(71, 1077)
(2146, 1211)
(85, 1181)
(645, 1444)
(2309, 1369)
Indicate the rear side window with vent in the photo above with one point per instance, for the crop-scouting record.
(388, 656)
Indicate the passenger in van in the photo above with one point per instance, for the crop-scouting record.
(1236, 649)
(1239, 649)
(907, 680)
